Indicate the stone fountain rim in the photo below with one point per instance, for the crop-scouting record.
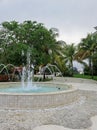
(71, 89)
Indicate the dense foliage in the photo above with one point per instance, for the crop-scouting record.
(87, 49)
(16, 39)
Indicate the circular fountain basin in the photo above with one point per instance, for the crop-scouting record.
(51, 95)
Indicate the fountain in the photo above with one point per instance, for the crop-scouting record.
(53, 71)
(10, 75)
(30, 95)
(52, 67)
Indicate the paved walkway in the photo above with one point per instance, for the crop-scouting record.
(71, 117)
(56, 127)
(81, 84)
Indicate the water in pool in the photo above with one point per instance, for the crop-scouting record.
(35, 89)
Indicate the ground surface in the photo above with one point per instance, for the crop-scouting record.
(75, 116)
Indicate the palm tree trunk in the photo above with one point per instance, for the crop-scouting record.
(91, 67)
(71, 67)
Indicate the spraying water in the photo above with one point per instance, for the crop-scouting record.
(28, 73)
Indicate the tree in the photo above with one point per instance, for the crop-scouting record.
(35, 35)
(69, 51)
(87, 49)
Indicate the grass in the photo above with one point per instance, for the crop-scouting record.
(85, 76)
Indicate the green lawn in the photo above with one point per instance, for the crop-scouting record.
(84, 76)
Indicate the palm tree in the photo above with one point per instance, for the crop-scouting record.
(87, 49)
(69, 53)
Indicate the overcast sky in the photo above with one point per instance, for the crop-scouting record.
(73, 18)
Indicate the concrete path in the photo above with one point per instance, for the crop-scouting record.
(82, 84)
(56, 127)
(76, 115)
(94, 121)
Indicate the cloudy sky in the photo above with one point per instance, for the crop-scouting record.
(73, 18)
